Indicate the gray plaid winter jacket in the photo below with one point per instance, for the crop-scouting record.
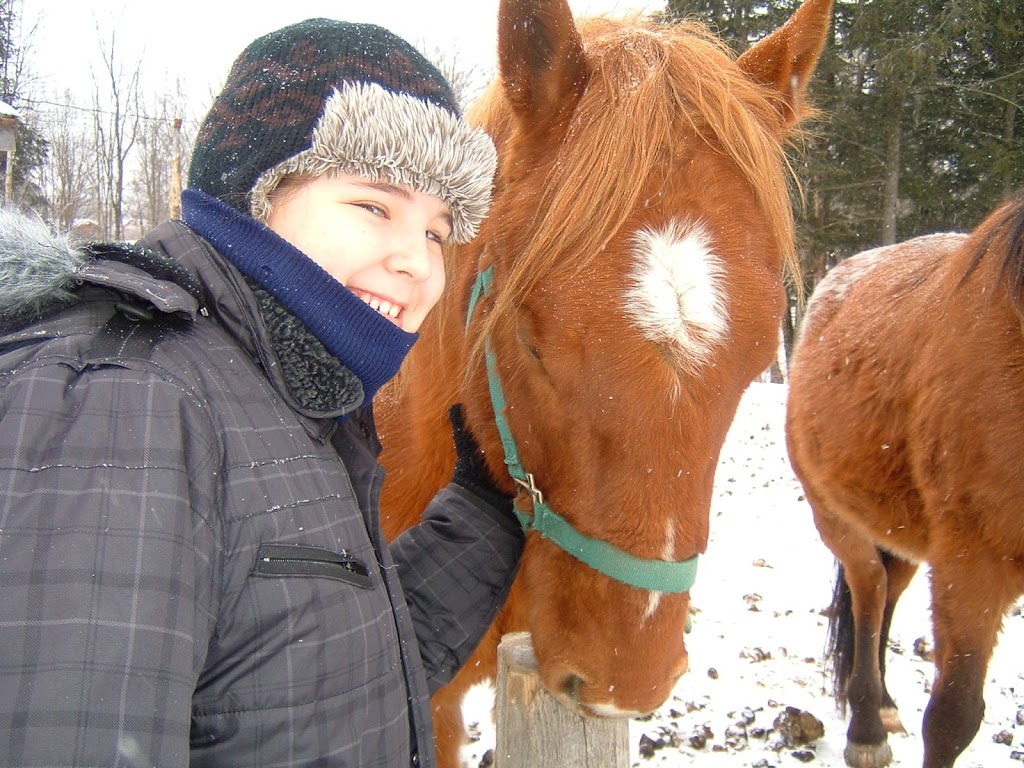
(191, 567)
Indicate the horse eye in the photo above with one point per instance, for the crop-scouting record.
(525, 341)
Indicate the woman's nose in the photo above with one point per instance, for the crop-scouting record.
(410, 255)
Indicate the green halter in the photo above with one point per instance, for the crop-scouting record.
(653, 575)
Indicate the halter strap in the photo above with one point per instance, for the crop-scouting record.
(650, 574)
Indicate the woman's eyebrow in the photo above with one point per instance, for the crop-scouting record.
(387, 188)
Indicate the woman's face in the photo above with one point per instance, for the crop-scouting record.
(382, 241)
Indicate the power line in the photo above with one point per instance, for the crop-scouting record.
(97, 111)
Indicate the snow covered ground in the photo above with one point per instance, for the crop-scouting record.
(758, 634)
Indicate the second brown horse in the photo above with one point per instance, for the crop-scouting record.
(904, 424)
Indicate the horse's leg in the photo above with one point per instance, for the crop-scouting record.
(899, 573)
(450, 734)
(866, 737)
(969, 597)
(865, 575)
(449, 726)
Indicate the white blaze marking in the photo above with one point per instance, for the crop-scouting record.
(668, 554)
(677, 291)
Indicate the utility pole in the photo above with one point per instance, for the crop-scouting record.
(175, 201)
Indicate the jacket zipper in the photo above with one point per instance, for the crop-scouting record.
(280, 560)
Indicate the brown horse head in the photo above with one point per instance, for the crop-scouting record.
(636, 247)
(639, 232)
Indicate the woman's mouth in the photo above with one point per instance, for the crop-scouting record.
(383, 306)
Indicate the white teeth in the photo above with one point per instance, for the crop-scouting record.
(384, 307)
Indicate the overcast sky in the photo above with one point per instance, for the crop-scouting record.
(195, 41)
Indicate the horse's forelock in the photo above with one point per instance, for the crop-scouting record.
(646, 79)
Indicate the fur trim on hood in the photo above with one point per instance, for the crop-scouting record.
(41, 272)
(37, 266)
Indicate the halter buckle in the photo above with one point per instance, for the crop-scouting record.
(528, 485)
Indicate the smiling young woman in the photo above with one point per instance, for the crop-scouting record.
(380, 240)
(194, 571)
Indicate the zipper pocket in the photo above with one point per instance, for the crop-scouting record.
(299, 560)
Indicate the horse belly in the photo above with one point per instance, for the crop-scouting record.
(855, 473)
(967, 460)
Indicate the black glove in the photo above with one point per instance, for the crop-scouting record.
(470, 470)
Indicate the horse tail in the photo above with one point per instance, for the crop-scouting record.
(840, 638)
(839, 644)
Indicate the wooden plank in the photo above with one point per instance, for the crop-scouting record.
(534, 730)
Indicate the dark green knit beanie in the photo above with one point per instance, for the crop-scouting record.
(325, 95)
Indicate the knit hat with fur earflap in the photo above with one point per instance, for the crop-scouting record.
(325, 95)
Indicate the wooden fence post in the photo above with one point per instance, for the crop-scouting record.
(534, 730)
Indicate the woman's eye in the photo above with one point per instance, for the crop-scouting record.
(437, 237)
(376, 210)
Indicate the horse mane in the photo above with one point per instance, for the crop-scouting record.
(1005, 234)
(646, 80)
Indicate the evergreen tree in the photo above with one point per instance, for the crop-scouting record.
(31, 147)
(739, 22)
(921, 117)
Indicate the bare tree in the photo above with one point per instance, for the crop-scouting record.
(160, 159)
(151, 181)
(16, 77)
(67, 176)
(116, 129)
(467, 82)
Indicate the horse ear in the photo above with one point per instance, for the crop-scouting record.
(786, 59)
(541, 60)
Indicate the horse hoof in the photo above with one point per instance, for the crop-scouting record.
(868, 755)
(891, 720)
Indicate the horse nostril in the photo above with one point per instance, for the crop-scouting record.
(571, 686)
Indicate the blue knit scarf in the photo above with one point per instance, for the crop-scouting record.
(366, 343)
